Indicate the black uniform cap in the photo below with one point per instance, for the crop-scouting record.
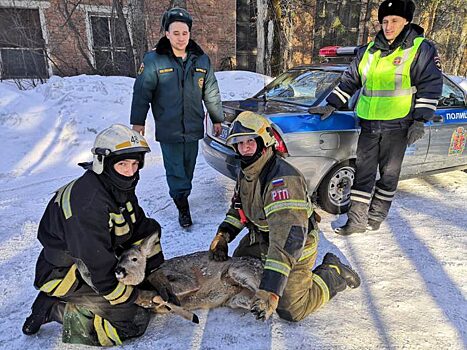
(176, 14)
(402, 8)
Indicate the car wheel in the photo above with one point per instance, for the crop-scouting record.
(334, 190)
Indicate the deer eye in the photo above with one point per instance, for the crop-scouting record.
(134, 259)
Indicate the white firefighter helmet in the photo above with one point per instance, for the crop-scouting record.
(115, 140)
(249, 125)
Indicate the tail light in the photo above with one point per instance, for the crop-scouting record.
(328, 51)
(280, 145)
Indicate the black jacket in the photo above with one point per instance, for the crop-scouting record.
(176, 90)
(425, 75)
(85, 226)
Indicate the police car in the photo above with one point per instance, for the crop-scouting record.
(325, 151)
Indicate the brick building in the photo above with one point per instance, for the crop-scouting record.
(44, 37)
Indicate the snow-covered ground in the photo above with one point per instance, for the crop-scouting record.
(414, 269)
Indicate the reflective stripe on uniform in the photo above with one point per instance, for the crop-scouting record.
(67, 283)
(233, 221)
(102, 336)
(120, 294)
(277, 266)
(286, 204)
(112, 332)
(324, 288)
(311, 249)
(61, 285)
(119, 224)
(425, 105)
(129, 207)
(124, 297)
(63, 198)
(389, 93)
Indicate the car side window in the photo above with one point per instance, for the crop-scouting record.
(452, 95)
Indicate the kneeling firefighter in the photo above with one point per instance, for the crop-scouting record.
(85, 227)
(271, 200)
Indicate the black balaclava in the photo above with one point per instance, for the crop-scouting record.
(121, 185)
(248, 160)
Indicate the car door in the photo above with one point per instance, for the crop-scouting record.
(448, 130)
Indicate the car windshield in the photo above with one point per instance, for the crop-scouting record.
(300, 86)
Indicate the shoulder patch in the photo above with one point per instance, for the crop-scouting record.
(277, 182)
(201, 70)
(280, 195)
(166, 70)
(141, 68)
(437, 62)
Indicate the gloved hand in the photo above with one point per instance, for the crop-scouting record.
(416, 132)
(219, 248)
(325, 111)
(144, 298)
(264, 304)
(163, 287)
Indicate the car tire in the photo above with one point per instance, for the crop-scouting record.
(334, 190)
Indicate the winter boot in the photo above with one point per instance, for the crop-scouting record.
(351, 278)
(373, 225)
(184, 217)
(349, 229)
(45, 309)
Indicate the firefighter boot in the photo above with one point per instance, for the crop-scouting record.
(45, 309)
(336, 275)
(351, 278)
(184, 217)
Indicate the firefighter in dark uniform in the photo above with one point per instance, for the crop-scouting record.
(86, 225)
(271, 200)
(176, 77)
(400, 77)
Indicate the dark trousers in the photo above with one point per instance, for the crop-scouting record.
(90, 319)
(383, 150)
(179, 163)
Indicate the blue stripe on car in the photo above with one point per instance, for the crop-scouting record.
(312, 122)
(453, 116)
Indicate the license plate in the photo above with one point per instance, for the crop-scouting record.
(224, 132)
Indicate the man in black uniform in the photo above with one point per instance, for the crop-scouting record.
(86, 225)
(400, 77)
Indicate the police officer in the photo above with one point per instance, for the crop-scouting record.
(271, 200)
(175, 78)
(86, 225)
(399, 74)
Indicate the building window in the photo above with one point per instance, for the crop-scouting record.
(22, 46)
(109, 47)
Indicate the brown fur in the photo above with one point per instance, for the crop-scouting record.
(198, 282)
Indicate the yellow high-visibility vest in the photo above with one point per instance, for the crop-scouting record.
(387, 88)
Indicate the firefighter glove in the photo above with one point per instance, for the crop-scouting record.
(324, 111)
(219, 249)
(163, 287)
(416, 132)
(264, 304)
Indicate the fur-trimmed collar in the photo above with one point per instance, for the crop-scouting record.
(163, 47)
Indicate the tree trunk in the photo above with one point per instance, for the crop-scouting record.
(138, 29)
(261, 20)
(123, 29)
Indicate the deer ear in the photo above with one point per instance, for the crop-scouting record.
(148, 244)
